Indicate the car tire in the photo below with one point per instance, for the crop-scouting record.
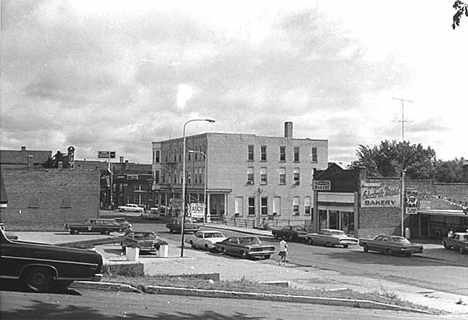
(243, 255)
(106, 232)
(365, 248)
(207, 248)
(276, 236)
(345, 246)
(460, 249)
(222, 250)
(388, 252)
(267, 256)
(192, 244)
(310, 241)
(75, 231)
(39, 279)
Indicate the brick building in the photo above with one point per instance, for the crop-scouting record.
(351, 201)
(245, 175)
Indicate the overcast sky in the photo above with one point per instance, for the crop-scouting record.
(117, 75)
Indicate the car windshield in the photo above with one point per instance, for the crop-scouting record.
(213, 235)
(400, 240)
(249, 240)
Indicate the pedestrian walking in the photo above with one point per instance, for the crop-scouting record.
(283, 253)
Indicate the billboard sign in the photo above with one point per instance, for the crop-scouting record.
(197, 210)
(411, 201)
(322, 185)
(385, 193)
(106, 154)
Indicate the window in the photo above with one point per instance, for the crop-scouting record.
(156, 176)
(251, 206)
(33, 203)
(156, 156)
(175, 155)
(263, 153)
(264, 205)
(314, 154)
(296, 206)
(282, 175)
(250, 155)
(250, 175)
(276, 206)
(238, 206)
(66, 203)
(200, 178)
(282, 153)
(297, 176)
(195, 175)
(296, 154)
(263, 175)
(189, 176)
(307, 203)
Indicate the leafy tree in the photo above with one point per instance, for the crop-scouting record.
(449, 171)
(461, 8)
(390, 158)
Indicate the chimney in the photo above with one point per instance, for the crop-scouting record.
(288, 130)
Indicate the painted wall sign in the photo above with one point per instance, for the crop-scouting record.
(322, 185)
(411, 201)
(384, 194)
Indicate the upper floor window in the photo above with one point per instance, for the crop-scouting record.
(297, 176)
(263, 153)
(157, 156)
(314, 154)
(282, 175)
(156, 176)
(263, 175)
(250, 175)
(296, 154)
(282, 153)
(307, 205)
(250, 155)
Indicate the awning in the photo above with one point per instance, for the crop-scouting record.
(445, 213)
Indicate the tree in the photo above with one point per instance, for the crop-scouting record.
(449, 171)
(461, 8)
(390, 158)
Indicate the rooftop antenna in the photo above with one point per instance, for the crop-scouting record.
(402, 117)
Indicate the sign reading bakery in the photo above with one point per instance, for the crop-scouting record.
(380, 194)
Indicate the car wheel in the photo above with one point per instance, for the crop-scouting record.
(276, 236)
(460, 249)
(222, 250)
(267, 256)
(106, 232)
(388, 251)
(446, 246)
(207, 248)
(310, 241)
(243, 255)
(365, 248)
(192, 244)
(39, 279)
(289, 238)
(74, 231)
(345, 246)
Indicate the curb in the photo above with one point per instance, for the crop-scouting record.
(365, 304)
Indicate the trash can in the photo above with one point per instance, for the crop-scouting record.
(132, 253)
(163, 251)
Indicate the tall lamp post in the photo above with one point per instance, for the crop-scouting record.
(204, 201)
(183, 185)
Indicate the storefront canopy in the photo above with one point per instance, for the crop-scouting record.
(445, 213)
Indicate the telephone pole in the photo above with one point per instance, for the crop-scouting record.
(402, 117)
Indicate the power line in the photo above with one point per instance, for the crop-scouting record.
(402, 117)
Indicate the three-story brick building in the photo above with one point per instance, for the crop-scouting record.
(245, 175)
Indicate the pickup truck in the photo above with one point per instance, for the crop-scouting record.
(290, 233)
(458, 242)
(175, 225)
(102, 226)
(41, 267)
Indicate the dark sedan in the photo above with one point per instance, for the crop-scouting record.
(40, 266)
(245, 247)
(390, 245)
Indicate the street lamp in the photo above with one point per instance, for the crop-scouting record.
(204, 201)
(183, 184)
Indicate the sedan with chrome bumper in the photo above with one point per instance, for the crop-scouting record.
(245, 247)
(331, 238)
(389, 244)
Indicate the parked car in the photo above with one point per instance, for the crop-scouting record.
(103, 226)
(330, 238)
(147, 241)
(245, 247)
(290, 233)
(130, 208)
(175, 225)
(154, 213)
(389, 244)
(42, 266)
(458, 242)
(205, 239)
(123, 223)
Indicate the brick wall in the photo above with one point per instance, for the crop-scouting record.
(46, 200)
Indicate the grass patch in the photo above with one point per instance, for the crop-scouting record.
(245, 285)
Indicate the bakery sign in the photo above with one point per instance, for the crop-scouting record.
(381, 194)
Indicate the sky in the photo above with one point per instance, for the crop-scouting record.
(117, 75)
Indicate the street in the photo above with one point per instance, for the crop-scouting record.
(91, 304)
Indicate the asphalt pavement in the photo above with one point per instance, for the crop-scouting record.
(232, 269)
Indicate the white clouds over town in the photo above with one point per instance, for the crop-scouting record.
(117, 75)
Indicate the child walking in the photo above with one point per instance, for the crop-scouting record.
(283, 251)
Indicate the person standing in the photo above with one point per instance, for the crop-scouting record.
(283, 253)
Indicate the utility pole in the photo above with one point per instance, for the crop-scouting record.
(402, 168)
(402, 117)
